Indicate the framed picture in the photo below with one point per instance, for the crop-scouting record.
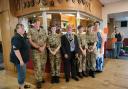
(64, 24)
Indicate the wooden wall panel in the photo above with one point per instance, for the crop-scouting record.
(95, 8)
(4, 5)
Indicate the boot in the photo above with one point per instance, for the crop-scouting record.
(43, 81)
(80, 75)
(57, 79)
(90, 72)
(53, 79)
(38, 85)
(85, 74)
(98, 71)
(75, 78)
(93, 74)
(67, 79)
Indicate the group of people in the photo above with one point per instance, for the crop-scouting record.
(82, 53)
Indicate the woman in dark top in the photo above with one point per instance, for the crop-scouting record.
(119, 43)
(20, 54)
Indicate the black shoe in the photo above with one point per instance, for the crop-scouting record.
(27, 86)
(85, 74)
(57, 79)
(67, 79)
(75, 78)
(93, 74)
(43, 81)
(98, 71)
(1, 68)
(80, 75)
(53, 79)
(117, 57)
(38, 85)
(90, 73)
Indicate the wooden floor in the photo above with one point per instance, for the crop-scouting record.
(115, 76)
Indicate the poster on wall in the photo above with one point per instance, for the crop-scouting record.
(64, 24)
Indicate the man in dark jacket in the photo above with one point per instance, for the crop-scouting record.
(70, 50)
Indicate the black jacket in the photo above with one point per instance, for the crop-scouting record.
(65, 45)
(20, 43)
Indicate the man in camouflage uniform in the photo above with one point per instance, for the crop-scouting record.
(91, 51)
(37, 38)
(54, 43)
(82, 52)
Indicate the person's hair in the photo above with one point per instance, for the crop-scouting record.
(17, 27)
(33, 20)
(90, 25)
(96, 22)
(115, 28)
(79, 27)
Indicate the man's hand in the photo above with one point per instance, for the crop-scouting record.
(66, 56)
(21, 63)
(41, 49)
(84, 52)
(53, 52)
(90, 50)
(76, 55)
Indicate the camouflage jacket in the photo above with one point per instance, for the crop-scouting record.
(38, 36)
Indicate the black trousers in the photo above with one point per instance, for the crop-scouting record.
(70, 65)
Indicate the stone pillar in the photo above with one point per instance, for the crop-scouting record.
(44, 16)
(77, 20)
(7, 25)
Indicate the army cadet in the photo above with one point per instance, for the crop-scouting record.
(37, 38)
(54, 44)
(91, 51)
(82, 53)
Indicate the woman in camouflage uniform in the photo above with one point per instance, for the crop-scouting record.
(82, 52)
(54, 44)
(91, 51)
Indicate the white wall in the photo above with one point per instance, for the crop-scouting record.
(117, 7)
(124, 30)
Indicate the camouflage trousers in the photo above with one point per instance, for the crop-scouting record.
(91, 61)
(55, 61)
(39, 62)
(81, 63)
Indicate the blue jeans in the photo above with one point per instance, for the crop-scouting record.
(21, 71)
(118, 46)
